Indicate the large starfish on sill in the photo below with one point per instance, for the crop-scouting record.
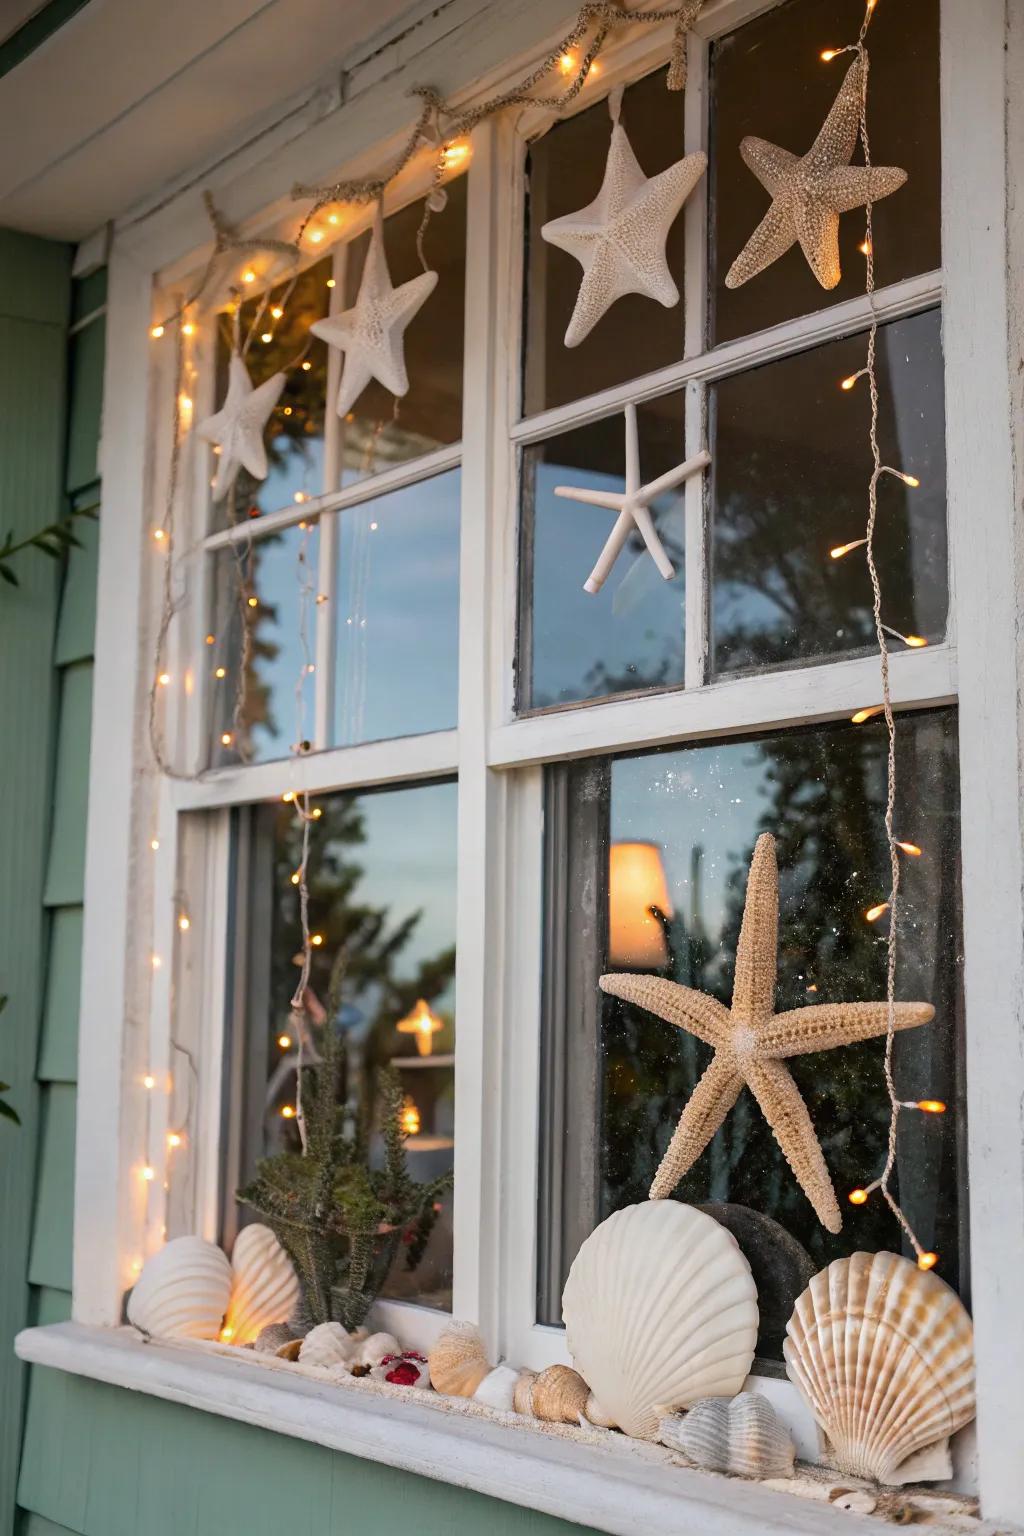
(751, 1042)
(808, 194)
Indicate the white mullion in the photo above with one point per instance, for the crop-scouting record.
(697, 568)
(210, 1021)
(194, 619)
(695, 211)
(327, 574)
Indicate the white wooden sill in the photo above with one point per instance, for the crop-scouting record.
(592, 1478)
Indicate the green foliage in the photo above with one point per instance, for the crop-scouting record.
(55, 540)
(341, 1220)
(5, 1109)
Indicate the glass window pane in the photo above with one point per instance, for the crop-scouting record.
(383, 887)
(398, 613)
(564, 172)
(629, 635)
(768, 80)
(694, 814)
(256, 595)
(790, 476)
(381, 431)
(295, 431)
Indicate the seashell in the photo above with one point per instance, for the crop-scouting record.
(327, 1345)
(270, 1339)
(458, 1360)
(289, 1351)
(264, 1288)
(183, 1291)
(558, 1395)
(743, 1436)
(371, 1351)
(522, 1394)
(595, 1414)
(408, 1369)
(497, 1390)
(660, 1310)
(884, 1354)
(857, 1500)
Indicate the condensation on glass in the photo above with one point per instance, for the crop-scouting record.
(398, 613)
(674, 830)
(256, 613)
(383, 886)
(564, 172)
(573, 644)
(790, 466)
(768, 80)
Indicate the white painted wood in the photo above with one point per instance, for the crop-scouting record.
(600, 1480)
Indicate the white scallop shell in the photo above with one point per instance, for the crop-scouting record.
(660, 1309)
(328, 1344)
(743, 1436)
(183, 1291)
(884, 1354)
(264, 1286)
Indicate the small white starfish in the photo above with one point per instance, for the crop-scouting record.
(619, 238)
(238, 427)
(633, 506)
(372, 333)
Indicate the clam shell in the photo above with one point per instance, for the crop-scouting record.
(183, 1291)
(264, 1286)
(328, 1345)
(743, 1437)
(884, 1354)
(458, 1360)
(660, 1310)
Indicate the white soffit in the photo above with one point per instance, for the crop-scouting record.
(129, 94)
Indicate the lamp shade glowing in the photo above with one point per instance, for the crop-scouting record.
(636, 883)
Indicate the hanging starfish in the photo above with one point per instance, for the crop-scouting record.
(751, 1042)
(372, 333)
(809, 194)
(238, 427)
(633, 506)
(619, 238)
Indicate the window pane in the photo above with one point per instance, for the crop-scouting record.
(381, 431)
(790, 477)
(256, 593)
(565, 169)
(398, 613)
(695, 813)
(768, 79)
(382, 885)
(295, 432)
(629, 635)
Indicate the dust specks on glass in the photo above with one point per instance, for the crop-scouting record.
(384, 888)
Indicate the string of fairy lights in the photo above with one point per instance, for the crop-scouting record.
(441, 130)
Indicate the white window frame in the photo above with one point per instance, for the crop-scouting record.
(130, 899)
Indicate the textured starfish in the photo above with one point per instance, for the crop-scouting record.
(751, 1042)
(619, 238)
(238, 427)
(372, 333)
(809, 194)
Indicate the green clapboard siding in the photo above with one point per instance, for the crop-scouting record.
(50, 1254)
(35, 1525)
(85, 401)
(65, 872)
(105, 1462)
(77, 623)
(58, 1051)
(49, 1306)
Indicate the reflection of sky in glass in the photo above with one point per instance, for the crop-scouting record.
(398, 613)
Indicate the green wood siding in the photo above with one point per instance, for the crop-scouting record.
(58, 1049)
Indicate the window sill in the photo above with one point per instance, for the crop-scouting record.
(593, 1478)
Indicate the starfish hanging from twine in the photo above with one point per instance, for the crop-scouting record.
(751, 1042)
(809, 194)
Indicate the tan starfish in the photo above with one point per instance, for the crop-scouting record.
(751, 1040)
(809, 194)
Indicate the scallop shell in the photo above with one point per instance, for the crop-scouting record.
(660, 1309)
(743, 1436)
(884, 1354)
(183, 1291)
(458, 1360)
(264, 1287)
(328, 1344)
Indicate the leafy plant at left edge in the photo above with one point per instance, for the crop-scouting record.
(55, 540)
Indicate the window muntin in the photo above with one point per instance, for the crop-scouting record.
(626, 1075)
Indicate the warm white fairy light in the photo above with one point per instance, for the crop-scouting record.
(839, 550)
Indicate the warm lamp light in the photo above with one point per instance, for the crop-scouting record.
(423, 1024)
(636, 883)
(410, 1118)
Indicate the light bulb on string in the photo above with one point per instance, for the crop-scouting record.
(184, 922)
(188, 329)
(221, 672)
(867, 714)
(898, 474)
(226, 738)
(248, 276)
(911, 849)
(277, 312)
(874, 913)
(149, 1174)
(267, 338)
(839, 550)
(156, 332)
(914, 642)
(174, 1139)
(828, 54)
(284, 1041)
(860, 1196)
(154, 843)
(926, 1106)
(288, 1112)
(927, 1260)
(149, 1081)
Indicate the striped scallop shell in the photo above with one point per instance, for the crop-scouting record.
(884, 1354)
(458, 1360)
(183, 1291)
(660, 1309)
(264, 1286)
(744, 1436)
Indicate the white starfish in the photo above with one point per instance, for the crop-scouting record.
(238, 427)
(619, 238)
(633, 506)
(372, 333)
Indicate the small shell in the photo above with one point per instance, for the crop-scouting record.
(522, 1394)
(270, 1339)
(883, 1352)
(857, 1500)
(458, 1360)
(595, 1414)
(183, 1291)
(408, 1369)
(371, 1351)
(327, 1345)
(559, 1395)
(265, 1287)
(743, 1437)
(289, 1351)
(497, 1390)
